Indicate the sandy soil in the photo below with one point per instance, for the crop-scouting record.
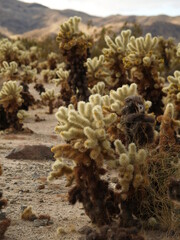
(21, 180)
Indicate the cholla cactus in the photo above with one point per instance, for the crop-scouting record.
(142, 60)
(74, 46)
(34, 53)
(118, 97)
(168, 127)
(59, 168)
(96, 71)
(9, 51)
(132, 168)
(167, 51)
(52, 60)
(62, 76)
(22, 114)
(48, 75)
(178, 50)
(62, 80)
(99, 88)
(69, 29)
(85, 130)
(114, 56)
(24, 57)
(4, 222)
(10, 96)
(9, 71)
(173, 92)
(11, 101)
(87, 126)
(28, 74)
(49, 97)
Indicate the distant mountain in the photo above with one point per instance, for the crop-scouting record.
(35, 20)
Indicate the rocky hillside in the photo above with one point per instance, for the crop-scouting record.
(35, 20)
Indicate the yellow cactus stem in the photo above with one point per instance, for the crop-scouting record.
(10, 96)
(168, 129)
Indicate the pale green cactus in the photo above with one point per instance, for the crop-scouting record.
(143, 61)
(28, 75)
(59, 168)
(87, 125)
(99, 88)
(9, 51)
(48, 75)
(120, 94)
(142, 50)
(62, 76)
(178, 50)
(22, 114)
(114, 55)
(52, 60)
(48, 97)
(173, 91)
(96, 71)
(10, 96)
(132, 167)
(69, 29)
(9, 71)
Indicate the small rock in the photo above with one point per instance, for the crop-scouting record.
(41, 222)
(42, 186)
(31, 152)
(85, 230)
(2, 215)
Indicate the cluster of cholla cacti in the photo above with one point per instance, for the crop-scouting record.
(4, 221)
(118, 115)
(21, 69)
(121, 136)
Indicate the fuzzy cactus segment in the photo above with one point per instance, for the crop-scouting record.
(168, 129)
(87, 125)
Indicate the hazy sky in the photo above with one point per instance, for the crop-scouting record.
(108, 7)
